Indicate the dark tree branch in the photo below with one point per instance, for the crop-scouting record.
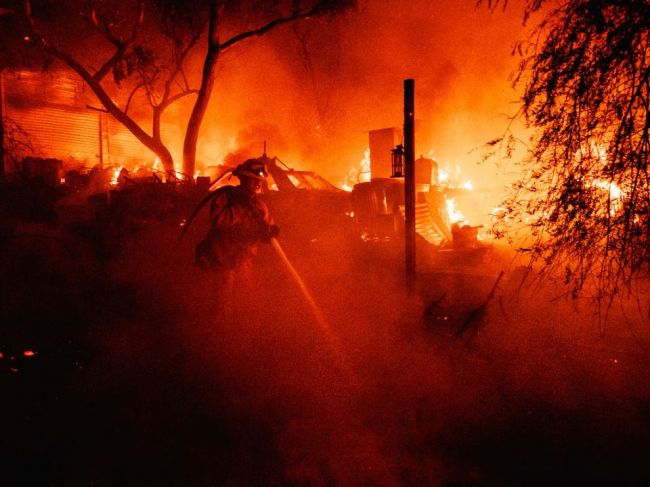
(272, 25)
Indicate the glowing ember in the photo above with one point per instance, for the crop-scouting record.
(29, 353)
(358, 175)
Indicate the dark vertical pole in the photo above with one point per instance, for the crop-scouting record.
(409, 182)
(101, 141)
(2, 123)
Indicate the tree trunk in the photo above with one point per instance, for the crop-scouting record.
(207, 83)
(198, 112)
(154, 144)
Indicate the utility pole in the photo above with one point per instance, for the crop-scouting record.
(409, 183)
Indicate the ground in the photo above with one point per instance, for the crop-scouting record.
(136, 381)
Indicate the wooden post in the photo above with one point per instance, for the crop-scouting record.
(409, 183)
(2, 123)
(101, 141)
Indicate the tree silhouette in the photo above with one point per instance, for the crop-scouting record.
(584, 194)
(142, 46)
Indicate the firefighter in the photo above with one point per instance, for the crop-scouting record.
(239, 221)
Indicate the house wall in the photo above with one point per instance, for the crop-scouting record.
(55, 115)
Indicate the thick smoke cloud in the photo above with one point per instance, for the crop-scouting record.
(325, 84)
(264, 400)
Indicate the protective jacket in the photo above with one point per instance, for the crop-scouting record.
(239, 220)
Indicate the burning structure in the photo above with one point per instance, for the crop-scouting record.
(116, 371)
(379, 203)
(91, 145)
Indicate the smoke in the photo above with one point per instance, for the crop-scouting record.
(325, 83)
(427, 406)
(169, 392)
(534, 393)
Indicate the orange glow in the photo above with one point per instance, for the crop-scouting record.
(455, 215)
(443, 175)
(157, 165)
(116, 175)
(615, 194)
(29, 353)
(467, 185)
(359, 174)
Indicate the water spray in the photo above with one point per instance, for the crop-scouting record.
(332, 340)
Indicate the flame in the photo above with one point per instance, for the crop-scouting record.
(359, 174)
(467, 185)
(443, 175)
(116, 174)
(454, 214)
(616, 194)
(365, 174)
(450, 177)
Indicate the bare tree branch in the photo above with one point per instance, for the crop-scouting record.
(271, 25)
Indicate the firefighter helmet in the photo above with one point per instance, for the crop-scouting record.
(251, 168)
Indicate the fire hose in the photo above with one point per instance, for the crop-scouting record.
(332, 340)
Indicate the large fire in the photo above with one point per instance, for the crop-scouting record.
(447, 178)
